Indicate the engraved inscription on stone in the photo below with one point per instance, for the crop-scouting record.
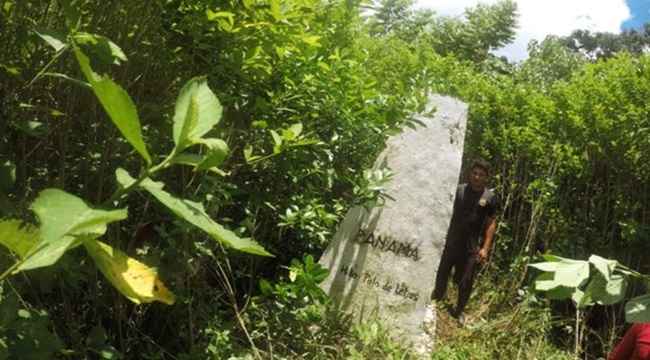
(384, 258)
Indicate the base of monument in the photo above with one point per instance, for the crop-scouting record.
(424, 346)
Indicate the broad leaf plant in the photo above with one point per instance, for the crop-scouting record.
(66, 221)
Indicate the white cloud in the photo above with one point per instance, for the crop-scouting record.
(539, 18)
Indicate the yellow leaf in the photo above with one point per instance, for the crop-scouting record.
(135, 280)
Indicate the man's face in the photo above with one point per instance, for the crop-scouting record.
(477, 178)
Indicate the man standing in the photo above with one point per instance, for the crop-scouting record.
(475, 209)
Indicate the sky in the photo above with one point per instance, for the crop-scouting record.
(539, 18)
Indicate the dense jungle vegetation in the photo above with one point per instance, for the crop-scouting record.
(207, 149)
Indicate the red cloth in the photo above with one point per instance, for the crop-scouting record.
(635, 345)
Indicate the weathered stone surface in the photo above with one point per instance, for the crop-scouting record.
(384, 259)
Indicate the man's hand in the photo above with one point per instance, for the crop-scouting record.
(482, 255)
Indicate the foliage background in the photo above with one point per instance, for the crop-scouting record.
(565, 131)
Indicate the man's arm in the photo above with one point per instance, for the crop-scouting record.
(490, 229)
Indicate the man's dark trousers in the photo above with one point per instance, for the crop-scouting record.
(463, 263)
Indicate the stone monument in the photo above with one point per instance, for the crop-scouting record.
(383, 260)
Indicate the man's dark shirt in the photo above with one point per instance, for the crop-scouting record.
(470, 210)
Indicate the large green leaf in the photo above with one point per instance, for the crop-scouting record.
(638, 309)
(551, 257)
(544, 282)
(604, 266)
(21, 239)
(191, 119)
(63, 217)
(571, 273)
(567, 272)
(550, 266)
(62, 214)
(194, 160)
(562, 292)
(47, 253)
(578, 296)
(195, 214)
(197, 110)
(117, 104)
(216, 153)
(103, 47)
(56, 39)
(606, 292)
